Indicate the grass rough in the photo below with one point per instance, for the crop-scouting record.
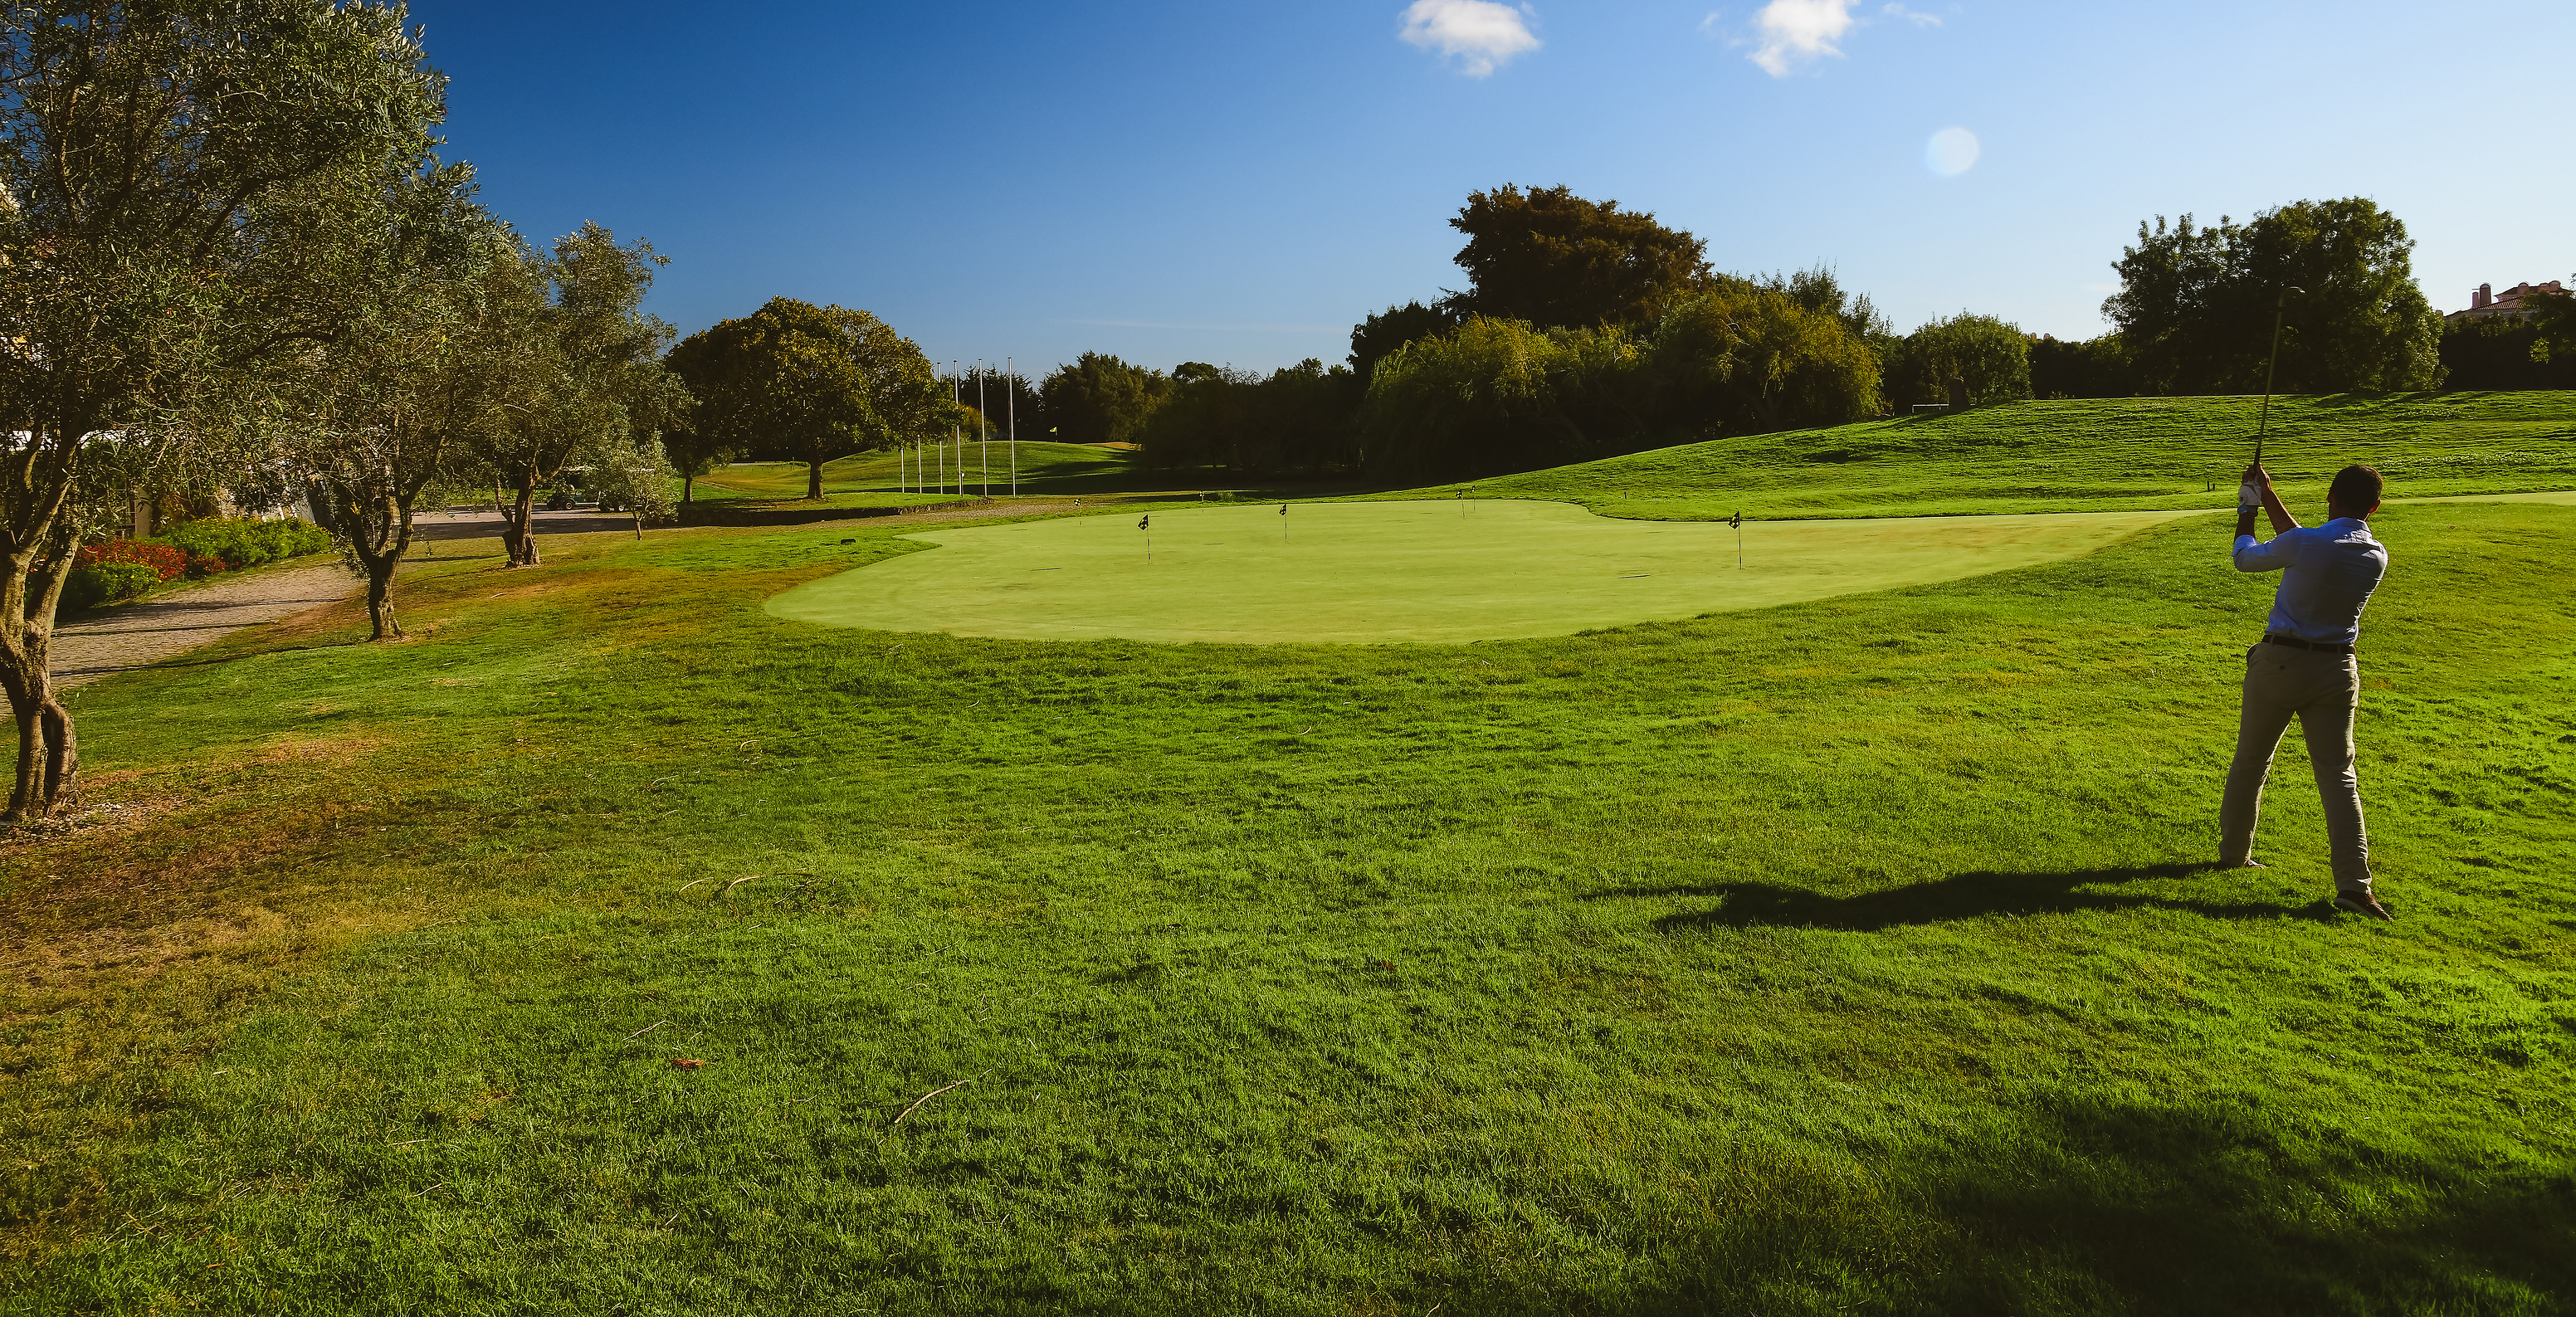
(1857, 955)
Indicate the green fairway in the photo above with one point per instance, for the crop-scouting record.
(2086, 455)
(1421, 571)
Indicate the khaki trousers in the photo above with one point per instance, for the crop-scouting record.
(2321, 691)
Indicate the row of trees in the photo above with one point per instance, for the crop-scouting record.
(1586, 330)
(230, 259)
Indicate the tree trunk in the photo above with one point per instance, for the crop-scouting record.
(378, 533)
(380, 602)
(688, 488)
(62, 750)
(519, 535)
(48, 748)
(813, 480)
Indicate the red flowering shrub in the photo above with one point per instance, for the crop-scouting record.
(202, 566)
(166, 562)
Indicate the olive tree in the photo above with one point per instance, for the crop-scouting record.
(419, 362)
(138, 143)
(587, 370)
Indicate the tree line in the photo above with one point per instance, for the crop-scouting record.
(1588, 330)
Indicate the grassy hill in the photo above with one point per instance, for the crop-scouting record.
(1853, 956)
(1045, 469)
(2088, 455)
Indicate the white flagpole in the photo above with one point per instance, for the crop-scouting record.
(983, 430)
(957, 395)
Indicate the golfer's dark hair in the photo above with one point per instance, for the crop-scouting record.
(2357, 487)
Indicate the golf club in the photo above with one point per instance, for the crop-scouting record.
(2280, 309)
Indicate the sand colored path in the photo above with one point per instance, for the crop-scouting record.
(1427, 571)
(161, 626)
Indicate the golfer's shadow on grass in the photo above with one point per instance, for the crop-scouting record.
(1959, 896)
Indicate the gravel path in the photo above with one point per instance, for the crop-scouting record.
(145, 632)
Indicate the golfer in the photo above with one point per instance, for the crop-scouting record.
(2305, 667)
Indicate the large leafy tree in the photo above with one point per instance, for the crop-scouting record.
(1500, 395)
(1506, 395)
(1552, 258)
(1745, 357)
(2196, 304)
(812, 382)
(1989, 356)
(139, 144)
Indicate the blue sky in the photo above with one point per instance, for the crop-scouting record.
(1240, 183)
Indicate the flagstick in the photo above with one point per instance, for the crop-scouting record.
(983, 429)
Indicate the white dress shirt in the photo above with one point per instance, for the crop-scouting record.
(2327, 574)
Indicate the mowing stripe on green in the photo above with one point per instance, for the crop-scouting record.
(1423, 571)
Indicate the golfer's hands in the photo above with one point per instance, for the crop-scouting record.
(2256, 488)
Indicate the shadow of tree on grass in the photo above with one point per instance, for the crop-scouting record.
(1959, 896)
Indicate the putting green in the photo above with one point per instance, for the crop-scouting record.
(1430, 571)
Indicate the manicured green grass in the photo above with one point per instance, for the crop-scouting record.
(1852, 956)
(1367, 572)
(1045, 469)
(2092, 455)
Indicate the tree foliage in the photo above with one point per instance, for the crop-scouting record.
(1295, 421)
(1373, 339)
(2081, 368)
(138, 145)
(1989, 355)
(2534, 351)
(2195, 306)
(587, 369)
(1552, 258)
(1743, 358)
(418, 366)
(1507, 395)
(808, 383)
(1100, 399)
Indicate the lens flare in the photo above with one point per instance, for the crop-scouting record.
(1951, 152)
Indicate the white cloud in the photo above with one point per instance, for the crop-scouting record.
(1789, 33)
(1480, 35)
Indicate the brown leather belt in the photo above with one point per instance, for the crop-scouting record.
(2275, 638)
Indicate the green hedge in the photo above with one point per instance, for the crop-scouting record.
(242, 542)
(107, 583)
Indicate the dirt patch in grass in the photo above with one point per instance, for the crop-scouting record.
(330, 752)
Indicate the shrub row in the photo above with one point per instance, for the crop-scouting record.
(118, 570)
(240, 542)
